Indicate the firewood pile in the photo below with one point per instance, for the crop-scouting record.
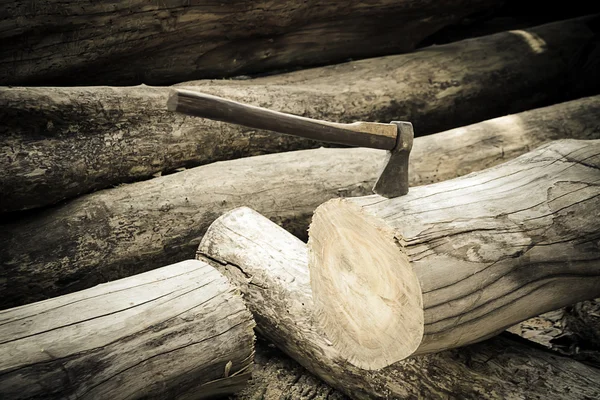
(147, 253)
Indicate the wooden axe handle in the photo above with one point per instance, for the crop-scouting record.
(361, 134)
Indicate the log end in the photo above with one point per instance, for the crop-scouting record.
(173, 100)
(367, 298)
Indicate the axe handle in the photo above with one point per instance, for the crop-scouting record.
(361, 134)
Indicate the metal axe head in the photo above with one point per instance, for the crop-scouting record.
(393, 179)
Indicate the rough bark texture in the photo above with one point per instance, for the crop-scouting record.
(176, 332)
(116, 42)
(126, 230)
(57, 143)
(275, 376)
(569, 331)
(583, 321)
(458, 261)
(270, 267)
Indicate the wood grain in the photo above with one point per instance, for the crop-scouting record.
(57, 143)
(359, 134)
(458, 261)
(270, 267)
(179, 331)
(132, 228)
(130, 42)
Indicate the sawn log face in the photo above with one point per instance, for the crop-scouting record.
(126, 230)
(458, 261)
(270, 266)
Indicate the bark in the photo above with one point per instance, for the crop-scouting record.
(459, 261)
(61, 142)
(94, 43)
(583, 321)
(270, 267)
(176, 332)
(275, 376)
(571, 331)
(126, 230)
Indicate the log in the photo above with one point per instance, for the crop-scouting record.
(276, 376)
(179, 331)
(270, 267)
(123, 43)
(133, 228)
(456, 262)
(62, 142)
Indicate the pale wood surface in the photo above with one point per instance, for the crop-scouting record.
(458, 261)
(56, 143)
(129, 42)
(270, 267)
(179, 331)
(126, 230)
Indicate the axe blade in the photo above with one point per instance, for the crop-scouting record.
(393, 179)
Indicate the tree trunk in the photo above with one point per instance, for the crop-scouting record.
(126, 230)
(176, 332)
(270, 267)
(62, 142)
(122, 43)
(456, 262)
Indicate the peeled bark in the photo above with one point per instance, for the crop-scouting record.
(61, 142)
(456, 262)
(178, 332)
(583, 321)
(270, 266)
(126, 230)
(122, 43)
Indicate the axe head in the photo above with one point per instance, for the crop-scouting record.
(393, 179)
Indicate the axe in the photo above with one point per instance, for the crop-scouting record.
(395, 137)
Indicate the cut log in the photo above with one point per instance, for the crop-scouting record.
(126, 230)
(123, 43)
(456, 262)
(270, 267)
(62, 142)
(176, 332)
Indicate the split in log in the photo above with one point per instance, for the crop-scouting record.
(179, 331)
(456, 262)
(270, 266)
(122, 43)
(126, 230)
(58, 143)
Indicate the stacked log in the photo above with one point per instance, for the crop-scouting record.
(123, 43)
(62, 142)
(133, 228)
(459, 261)
(179, 331)
(448, 265)
(270, 267)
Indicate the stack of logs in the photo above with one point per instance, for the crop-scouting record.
(140, 248)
